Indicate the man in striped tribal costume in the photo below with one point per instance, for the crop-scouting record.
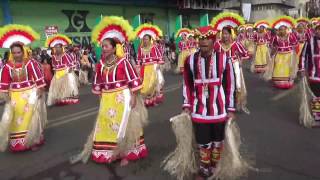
(209, 96)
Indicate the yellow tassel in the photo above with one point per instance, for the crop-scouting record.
(119, 51)
(233, 34)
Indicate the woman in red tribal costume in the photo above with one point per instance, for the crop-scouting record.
(261, 55)
(149, 60)
(118, 131)
(310, 65)
(228, 47)
(249, 42)
(283, 68)
(193, 45)
(64, 84)
(302, 35)
(22, 84)
(241, 38)
(184, 47)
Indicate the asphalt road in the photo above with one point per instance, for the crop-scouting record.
(279, 146)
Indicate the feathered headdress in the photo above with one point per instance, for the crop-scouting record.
(302, 20)
(249, 26)
(15, 33)
(58, 39)
(241, 27)
(152, 30)
(227, 19)
(205, 32)
(262, 23)
(286, 21)
(182, 31)
(112, 27)
(315, 21)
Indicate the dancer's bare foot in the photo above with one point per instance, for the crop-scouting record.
(124, 162)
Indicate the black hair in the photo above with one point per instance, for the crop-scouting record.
(228, 29)
(111, 41)
(148, 35)
(18, 45)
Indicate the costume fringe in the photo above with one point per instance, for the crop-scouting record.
(166, 66)
(242, 95)
(83, 77)
(38, 120)
(86, 152)
(65, 87)
(306, 118)
(232, 165)
(138, 119)
(267, 76)
(182, 162)
(5, 123)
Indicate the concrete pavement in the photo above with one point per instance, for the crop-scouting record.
(273, 139)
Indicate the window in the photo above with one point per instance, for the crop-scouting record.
(185, 20)
(147, 18)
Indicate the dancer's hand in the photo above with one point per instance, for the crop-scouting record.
(138, 68)
(231, 115)
(40, 92)
(133, 101)
(187, 111)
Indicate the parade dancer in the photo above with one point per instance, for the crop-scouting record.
(184, 49)
(249, 42)
(261, 55)
(241, 38)
(149, 60)
(309, 64)
(22, 84)
(228, 47)
(193, 45)
(209, 97)
(84, 68)
(283, 67)
(118, 133)
(64, 84)
(302, 35)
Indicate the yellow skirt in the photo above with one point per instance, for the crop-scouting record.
(23, 110)
(282, 70)
(150, 80)
(181, 59)
(111, 123)
(261, 58)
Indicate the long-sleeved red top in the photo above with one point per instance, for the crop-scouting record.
(64, 62)
(262, 38)
(153, 56)
(284, 45)
(302, 37)
(183, 45)
(236, 51)
(121, 76)
(19, 77)
(209, 87)
(310, 59)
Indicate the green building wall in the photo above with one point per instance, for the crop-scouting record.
(41, 14)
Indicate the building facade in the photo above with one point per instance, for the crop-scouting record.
(76, 18)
